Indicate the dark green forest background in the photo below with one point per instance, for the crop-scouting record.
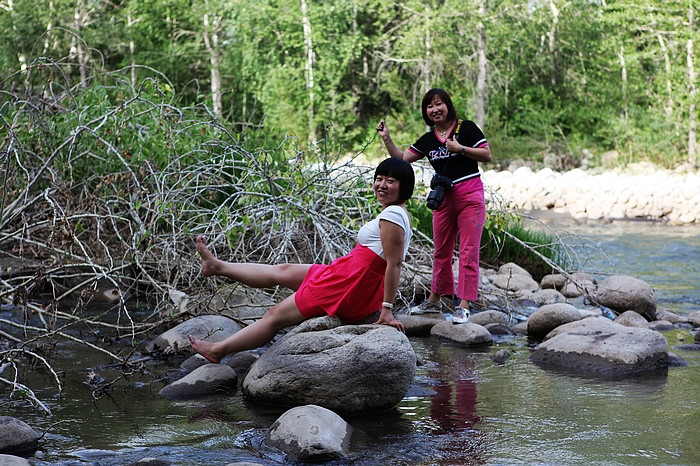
(541, 77)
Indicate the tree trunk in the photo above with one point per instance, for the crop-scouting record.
(693, 91)
(211, 41)
(623, 71)
(80, 18)
(482, 64)
(668, 102)
(132, 52)
(552, 43)
(306, 24)
(426, 62)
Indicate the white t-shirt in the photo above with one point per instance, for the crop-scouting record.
(369, 233)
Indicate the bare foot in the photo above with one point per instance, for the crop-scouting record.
(209, 262)
(204, 348)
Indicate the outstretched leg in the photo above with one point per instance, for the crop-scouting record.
(279, 316)
(255, 275)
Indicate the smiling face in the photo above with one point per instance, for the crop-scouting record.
(386, 188)
(437, 110)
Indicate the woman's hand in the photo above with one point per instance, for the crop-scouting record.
(453, 145)
(387, 318)
(392, 148)
(480, 154)
(383, 131)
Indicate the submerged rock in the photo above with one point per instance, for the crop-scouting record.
(209, 379)
(16, 436)
(501, 356)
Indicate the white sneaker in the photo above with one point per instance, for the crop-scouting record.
(426, 307)
(460, 315)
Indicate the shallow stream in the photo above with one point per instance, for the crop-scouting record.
(463, 409)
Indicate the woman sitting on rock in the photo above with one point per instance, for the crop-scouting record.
(351, 287)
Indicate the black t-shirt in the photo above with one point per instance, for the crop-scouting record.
(454, 166)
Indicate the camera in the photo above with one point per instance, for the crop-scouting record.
(439, 184)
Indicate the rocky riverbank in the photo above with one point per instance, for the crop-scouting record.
(639, 191)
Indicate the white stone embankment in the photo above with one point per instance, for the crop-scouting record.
(640, 191)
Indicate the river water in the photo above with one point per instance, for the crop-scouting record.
(462, 409)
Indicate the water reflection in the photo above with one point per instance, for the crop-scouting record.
(453, 406)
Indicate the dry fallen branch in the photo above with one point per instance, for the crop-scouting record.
(110, 208)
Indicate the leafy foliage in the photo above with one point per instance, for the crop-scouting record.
(560, 76)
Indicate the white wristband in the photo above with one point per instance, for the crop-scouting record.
(388, 305)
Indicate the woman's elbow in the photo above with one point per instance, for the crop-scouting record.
(487, 155)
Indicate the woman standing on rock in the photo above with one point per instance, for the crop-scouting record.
(351, 287)
(454, 148)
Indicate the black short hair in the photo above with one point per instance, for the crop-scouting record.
(445, 97)
(400, 170)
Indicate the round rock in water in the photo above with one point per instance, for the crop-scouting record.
(344, 368)
(549, 317)
(310, 434)
(467, 335)
(16, 436)
(622, 293)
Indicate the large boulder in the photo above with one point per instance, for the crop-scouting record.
(344, 368)
(622, 293)
(209, 379)
(213, 328)
(310, 434)
(549, 317)
(16, 436)
(610, 349)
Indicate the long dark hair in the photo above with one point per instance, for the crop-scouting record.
(400, 170)
(445, 97)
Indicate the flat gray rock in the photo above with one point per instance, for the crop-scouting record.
(606, 349)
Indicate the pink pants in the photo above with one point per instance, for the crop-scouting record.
(463, 210)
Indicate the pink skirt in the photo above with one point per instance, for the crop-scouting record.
(351, 287)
